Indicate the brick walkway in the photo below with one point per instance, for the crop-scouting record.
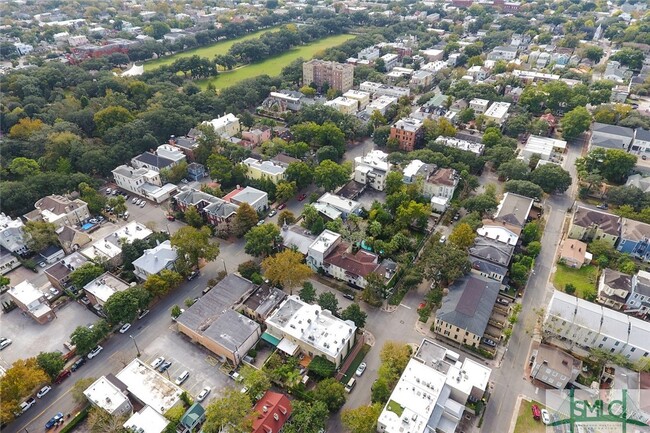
(351, 356)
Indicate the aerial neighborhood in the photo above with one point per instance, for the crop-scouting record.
(310, 217)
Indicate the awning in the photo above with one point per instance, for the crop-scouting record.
(270, 339)
(288, 347)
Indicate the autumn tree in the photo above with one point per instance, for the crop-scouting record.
(245, 219)
(286, 217)
(362, 419)
(285, 191)
(262, 240)
(229, 413)
(192, 245)
(40, 235)
(100, 421)
(18, 382)
(78, 389)
(25, 128)
(287, 269)
(462, 236)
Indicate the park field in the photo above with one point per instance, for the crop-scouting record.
(209, 52)
(273, 65)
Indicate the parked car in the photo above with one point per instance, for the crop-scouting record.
(272, 213)
(93, 353)
(24, 406)
(360, 369)
(77, 364)
(85, 300)
(537, 414)
(301, 197)
(282, 206)
(157, 362)
(135, 200)
(603, 206)
(143, 203)
(193, 275)
(260, 222)
(546, 417)
(349, 296)
(489, 342)
(164, 366)
(171, 218)
(125, 328)
(143, 313)
(203, 394)
(62, 376)
(182, 377)
(108, 191)
(54, 420)
(5, 342)
(443, 239)
(41, 392)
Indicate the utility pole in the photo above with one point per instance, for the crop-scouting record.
(136, 345)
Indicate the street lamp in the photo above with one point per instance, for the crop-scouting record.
(224, 265)
(136, 345)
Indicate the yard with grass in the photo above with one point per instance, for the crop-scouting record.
(584, 279)
(208, 51)
(273, 65)
(525, 421)
(395, 407)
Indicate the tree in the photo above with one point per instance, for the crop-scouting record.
(482, 203)
(24, 167)
(85, 274)
(551, 178)
(531, 233)
(40, 235)
(309, 92)
(492, 137)
(592, 52)
(287, 269)
(286, 217)
(96, 201)
(18, 382)
(331, 392)
(193, 217)
(444, 263)
(85, 339)
(569, 288)
(307, 293)
(631, 57)
(262, 240)
(192, 245)
(380, 136)
(329, 175)
(285, 190)
(514, 170)
(78, 389)
(533, 249)
(51, 362)
(322, 367)
(328, 301)
(220, 168)
(229, 413)
(375, 291)
(575, 122)
(462, 236)
(248, 269)
(354, 313)
(100, 421)
(25, 128)
(466, 115)
(617, 165)
(118, 203)
(307, 417)
(111, 117)
(362, 419)
(518, 274)
(245, 219)
(300, 173)
(523, 187)
(412, 214)
(257, 381)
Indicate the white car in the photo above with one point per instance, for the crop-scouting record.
(203, 394)
(135, 200)
(546, 417)
(156, 362)
(95, 352)
(143, 203)
(108, 191)
(360, 369)
(182, 377)
(4, 343)
(41, 393)
(125, 328)
(54, 291)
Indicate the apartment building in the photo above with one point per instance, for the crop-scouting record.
(338, 76)
(408, 132)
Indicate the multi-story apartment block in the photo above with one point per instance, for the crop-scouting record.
(372, 169)
(408, 132)
(338, 76)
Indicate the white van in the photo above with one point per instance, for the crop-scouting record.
(350, 385)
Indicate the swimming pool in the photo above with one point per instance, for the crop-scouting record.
(87, 226)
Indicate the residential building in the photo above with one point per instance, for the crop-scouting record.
(143, 182)
(285, 100)
(610, 136)
(103, 287)
(408, 132)
(635, 239)
(334, 206)
(59, 273)
(297, 237)
(494, 251)
(8, 261)
(60, 211)
(71, 239)
(381, 104)
(299, 327)
(369, 53)
(213, 322)
(584, 325)
(506, 53)
(423, 78)
(384, 89)
(156, 161)
(344, 105)
(187, 145)
(390, 61)
(638, 302)
(12, 237)
(362, 98)
(613, 288)
(226, 125)
(467, 146)
(196, 171)
(257, 169)
(324, 244)
(514, 209)
(548, 149)
(147, 387)
(262, 302)
(372, 169)
(354, 267)
(416, 170)
(51, 254)
(192, 419)
(488, 269)
(432, 392)
(479, 106)
(639, 181)
(271, 412)
(109, 249)
(616, 72)
(466, 309)
(32, 302)
(590, 224)
(574, 253)
(215, 210)
(440, 185)
(554, 367)
(641, 143)
(432, 54)
(502, 232)
(257, 199)
(257, 136)
(498, 112)
(338, 76)
(147, 420)
(109, 394)
(155, 260)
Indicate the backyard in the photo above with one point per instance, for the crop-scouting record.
(273, 65)
(525, 421)
(584, 279)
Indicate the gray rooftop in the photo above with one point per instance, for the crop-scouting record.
(642, 134)
(153, 160)
(231, 329)
(298, 237)
(514, 209)
(487, 267)
(469, 303)
(492, 250)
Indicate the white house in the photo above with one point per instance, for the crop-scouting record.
(362, 98)
(153, 261)
(548, 149)
(372, 169)
(498, 112)
(12, 236)
(641, 143)
(479, 105)
(143, 182)
(226, 125)
(344, 105)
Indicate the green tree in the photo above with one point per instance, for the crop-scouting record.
(518, 274)
(220, 168)
(286, 217)
(551, 178)
(533, 249)
(287, 269)
(569, 288)
(592, 52)
(362, 419)
(322, 367)
(307, 417)
(492, 137)
(514, 170)
(575, 122)
(300, 173)
(245, 219)
(193, 217)
(412, 214)
(78, 389)
(85, 274)
(23, 167)
(354, 313)
(375, 291)
(111, 117)
(380, 136)
(285, 190)
(331, 392)
(262, 240)
(531, 233)
(231, 412)
(523, 187)
(52, 363)
(96, 201)
(257, 381)
(328, 301)
(85, 339)
(466, 115)
(462, 236)
(118, 203)
(192, 245)
(482, 203)
(307, 293)
(40, 235)
(445, 263)
(248, 268)
(157, 29)
(309, 92)
(631, 57)
(329, 175)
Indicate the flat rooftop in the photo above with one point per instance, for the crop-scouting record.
(324, 241)
(149, 387)
(105, 285)
(148, 420)
(104, 394)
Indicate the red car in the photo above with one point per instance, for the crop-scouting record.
(61, 377)
(537, 413)
(171, 218)
(301, 197)
(282, 206)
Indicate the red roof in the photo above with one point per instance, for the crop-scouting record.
(232, 193)
(272, 411)
(361, 263)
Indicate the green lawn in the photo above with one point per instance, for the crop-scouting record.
(395, 407)
(584, 279)
(355, 364)
(525, 421)
(273, 66)
(209, 51)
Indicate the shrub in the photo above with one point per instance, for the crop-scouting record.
(322, 367)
